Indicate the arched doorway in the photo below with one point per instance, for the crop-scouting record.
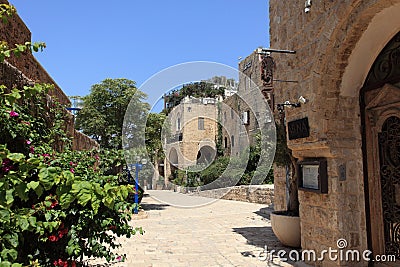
(173, 160)
(380, 106)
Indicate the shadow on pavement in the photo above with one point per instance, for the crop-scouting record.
(148, 206)
(259, 236)
(264, 238)
(265, 212)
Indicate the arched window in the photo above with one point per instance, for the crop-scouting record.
(178, 122)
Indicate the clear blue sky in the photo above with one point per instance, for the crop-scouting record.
(88, 41)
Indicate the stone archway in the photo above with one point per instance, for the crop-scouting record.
(380, 108)
(381, 29)
(173, 160)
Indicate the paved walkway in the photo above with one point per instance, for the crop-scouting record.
(224, 233)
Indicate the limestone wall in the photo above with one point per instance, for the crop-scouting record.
(16, 32)
(263, 194)
(324, 40)
(26, 70)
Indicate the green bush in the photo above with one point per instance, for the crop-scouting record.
(55, 207)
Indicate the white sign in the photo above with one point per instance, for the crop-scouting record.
(310, 176)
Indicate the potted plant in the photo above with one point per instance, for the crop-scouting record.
(286, 223)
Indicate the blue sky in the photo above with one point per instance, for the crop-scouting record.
(88, 41)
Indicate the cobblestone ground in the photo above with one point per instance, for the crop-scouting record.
(224, 233)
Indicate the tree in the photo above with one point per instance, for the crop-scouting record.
(102, 116)
(154, 128)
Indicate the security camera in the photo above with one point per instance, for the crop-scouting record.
(307, 6)
(302, 100)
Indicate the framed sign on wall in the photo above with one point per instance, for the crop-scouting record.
(313, 175)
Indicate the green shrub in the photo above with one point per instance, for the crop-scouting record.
(56, 205)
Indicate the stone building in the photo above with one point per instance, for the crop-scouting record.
(347, 67)
(192, 132)
(26, 70)
(241, 108)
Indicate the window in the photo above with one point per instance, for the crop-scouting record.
(226, 142)
(225, 116)
(246, 117)
(249, 80)
(178, 122)
(232, 141)
(232, 113)
(200, 123)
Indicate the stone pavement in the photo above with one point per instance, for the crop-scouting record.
(223, 233)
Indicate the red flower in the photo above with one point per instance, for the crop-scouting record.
(53, 238)
(31, 149)
(62, 232)
(28, 142)
(13, 114)
(73, 264)
(72, 170)
(6, 162)
(55, 203)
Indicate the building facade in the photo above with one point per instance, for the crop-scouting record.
(255, 74)
(192, 133)
(347, 67)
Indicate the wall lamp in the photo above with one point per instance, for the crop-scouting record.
(281, 107)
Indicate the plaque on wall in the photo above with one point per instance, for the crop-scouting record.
(310, 176)
(313, 175)
(298, 129)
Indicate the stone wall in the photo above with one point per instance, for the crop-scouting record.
(25, 70)
(16, 32)
(232, 110)
(263, 194)
(324, 40)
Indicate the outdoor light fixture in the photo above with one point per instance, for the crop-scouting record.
(281, 107)
(139, 162)
(301, 100)
(267, 51)
(307, 6)
(77, 105)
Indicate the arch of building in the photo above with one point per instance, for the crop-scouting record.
(173, 159)
(355, 44)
